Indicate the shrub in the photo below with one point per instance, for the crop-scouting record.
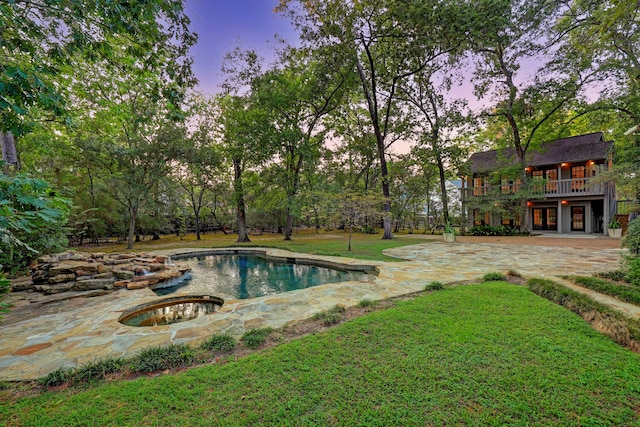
(219, 342)
(631, 239)
(4, 288)
(434, 286)
(367, 303)
(514, 273)
(161, 358)
(490, 230)
(632, 274)
(32, 220)
(493, 277)
(617, 275)
(56, 378)
(254, 338)
(97, 370)
(624, 292)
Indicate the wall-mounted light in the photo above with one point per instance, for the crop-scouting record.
(564, 165)
(527, 169)
(590, 162)
(529, 203)
(565, 202)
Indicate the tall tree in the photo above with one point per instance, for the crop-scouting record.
(382, 37)
(297, 98)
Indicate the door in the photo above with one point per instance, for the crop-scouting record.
(577, 218)
(545, 219)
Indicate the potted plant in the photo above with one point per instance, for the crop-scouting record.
(449, 233)
(615, 228)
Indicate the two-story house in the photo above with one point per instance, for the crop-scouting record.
(561, 196)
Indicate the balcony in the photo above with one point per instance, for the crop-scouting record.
(557, 188)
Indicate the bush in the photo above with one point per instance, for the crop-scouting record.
(624, 292)
(219, 342)
(331, 316)
(631, 239)
(4, 288)
(434, 286)
(254, 338)
(56, 378)
(632, 274)
(32, 220)
(367, 303)
(490, 230)
(162, 358)
(96, 371)
(493, 277)
(616, 275)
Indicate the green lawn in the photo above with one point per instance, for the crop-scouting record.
(363, 246)
(487, 354)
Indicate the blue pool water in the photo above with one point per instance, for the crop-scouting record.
(250, 276)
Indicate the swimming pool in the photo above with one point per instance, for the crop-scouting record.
(243, 276)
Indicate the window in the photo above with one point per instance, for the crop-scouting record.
(480, 185)
(578, 174)
(480, 218)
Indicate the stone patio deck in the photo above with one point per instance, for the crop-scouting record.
(81, 330)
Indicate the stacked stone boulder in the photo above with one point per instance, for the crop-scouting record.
(83, 271)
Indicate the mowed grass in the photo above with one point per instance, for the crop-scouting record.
(363, 246)
(486, 354)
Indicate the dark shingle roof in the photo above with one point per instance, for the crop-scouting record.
(570, 150)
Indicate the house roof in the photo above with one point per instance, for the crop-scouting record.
(570, 150)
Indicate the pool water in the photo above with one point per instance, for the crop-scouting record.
(251, 276)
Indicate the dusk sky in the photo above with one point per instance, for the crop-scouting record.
(224, 24)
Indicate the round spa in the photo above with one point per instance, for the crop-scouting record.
(171, 310)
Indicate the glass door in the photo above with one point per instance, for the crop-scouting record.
(577, 218)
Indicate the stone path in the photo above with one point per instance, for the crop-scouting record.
(81, 330)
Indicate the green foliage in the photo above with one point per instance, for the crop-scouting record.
(332, 316)
(32, 216)
(4, 288)
(621, 291)
(58, 377)
(490, 230)
(363, 303)
(631, 239)
(162, 358)
(219, 342)
(614, 223)
(493, 277)
(434, 286)
(254, 338)
(615, 275)
(632, 274)
(448, 228)
(97, 370)
(41, 39)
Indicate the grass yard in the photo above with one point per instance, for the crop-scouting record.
(363, 246)
(487, 354)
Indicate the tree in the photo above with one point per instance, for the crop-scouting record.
(199, 165)
(604, 36)
(296, 98)
(40, 38)
(436, 120)
(383, 39)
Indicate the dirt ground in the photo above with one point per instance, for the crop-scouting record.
(586, 242)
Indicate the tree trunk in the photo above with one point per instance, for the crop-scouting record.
(443, 189)
(197, 214)
(132, 226)
(9, 153)
(241, 218)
